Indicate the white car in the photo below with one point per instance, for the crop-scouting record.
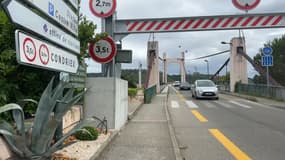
(176, 84)
(205, 89)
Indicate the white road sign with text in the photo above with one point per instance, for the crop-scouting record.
(74, 3)
(102, 8)
(35, 52)
(24, 17)
(60, 12)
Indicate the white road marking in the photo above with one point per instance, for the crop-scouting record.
(209, 105)
(239, 104)
(190, 104)
(223, 104)
(174, 89)
(260, 105)
(165, 90)
(174, 104)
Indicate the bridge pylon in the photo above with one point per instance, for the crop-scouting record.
(238, 63)
(180, 61)
(152, 77)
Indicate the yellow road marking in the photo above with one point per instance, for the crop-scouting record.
(230, 146)
(199, 116)
(180, 96)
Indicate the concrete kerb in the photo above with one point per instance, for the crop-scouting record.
(104, 145)
(178, 155)
(132, 114)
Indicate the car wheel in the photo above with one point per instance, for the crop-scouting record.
(196, 97)
(217, 98)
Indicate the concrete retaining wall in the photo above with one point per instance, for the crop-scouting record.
(107, 97)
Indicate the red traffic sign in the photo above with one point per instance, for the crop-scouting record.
(245, 4)
(102, 8)
(103, 50)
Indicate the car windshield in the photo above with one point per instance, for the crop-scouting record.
(205, 84)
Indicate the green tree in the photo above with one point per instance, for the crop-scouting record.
(86, 35)
(17, 81)
(277, 70)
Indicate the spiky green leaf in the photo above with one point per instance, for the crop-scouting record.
(58, 144)
(63, 107)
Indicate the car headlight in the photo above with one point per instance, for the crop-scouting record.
(200, 91)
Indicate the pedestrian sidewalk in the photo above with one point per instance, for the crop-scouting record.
(145, 137)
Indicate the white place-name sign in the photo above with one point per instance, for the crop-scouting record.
(60, 12)
(74, 3)
(26, 18)
(35, 52)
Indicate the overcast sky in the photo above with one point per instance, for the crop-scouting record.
(196, 43)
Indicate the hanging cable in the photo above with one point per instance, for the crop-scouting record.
(211, 55)
(219, 70)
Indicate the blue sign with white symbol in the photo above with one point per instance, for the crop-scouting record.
(267, 61)
(267, 51)
(51, 9)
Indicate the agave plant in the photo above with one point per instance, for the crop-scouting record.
(38, 144)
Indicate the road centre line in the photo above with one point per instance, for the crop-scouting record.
(174, 104)
(239, 104)
(230, 146)
(190, 104)
(181, 97)
(199, 116)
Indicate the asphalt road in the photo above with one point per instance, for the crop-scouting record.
(226, 129)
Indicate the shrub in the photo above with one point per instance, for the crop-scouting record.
(132, 92)
(87, 133)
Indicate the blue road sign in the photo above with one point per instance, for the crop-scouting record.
(267, 61)
(267, 51)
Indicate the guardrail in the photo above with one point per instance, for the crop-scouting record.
(149, 93)
(274, 92)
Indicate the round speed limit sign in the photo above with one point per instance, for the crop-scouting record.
(103, 50)
(102, 8)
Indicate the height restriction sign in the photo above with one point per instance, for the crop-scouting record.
(103, 50)
(102, 8)
(245, 4)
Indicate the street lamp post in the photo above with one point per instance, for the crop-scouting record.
(230, 43)
(207, 68)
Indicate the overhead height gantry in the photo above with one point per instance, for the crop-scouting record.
(119, 28)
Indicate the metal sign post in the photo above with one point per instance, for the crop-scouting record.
(267, 60)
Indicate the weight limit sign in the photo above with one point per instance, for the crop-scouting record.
(103, 50)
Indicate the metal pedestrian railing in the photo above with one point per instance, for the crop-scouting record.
(149, 93)
(260, 90)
